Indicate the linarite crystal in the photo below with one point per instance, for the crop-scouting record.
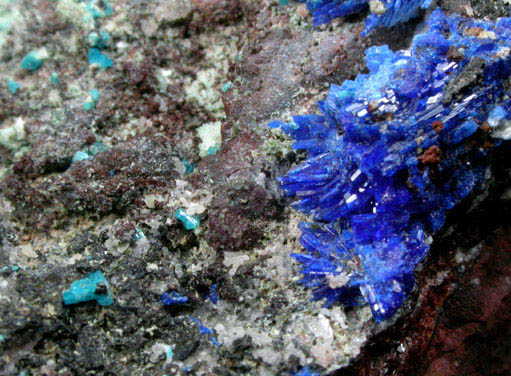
(392, 153)
(385, 13)
(173, 298)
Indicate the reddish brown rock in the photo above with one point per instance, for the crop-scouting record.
(108, 183)
(245, 199)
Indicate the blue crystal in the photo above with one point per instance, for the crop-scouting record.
(93, 287)
(387, 13)
(496, 115)
(209, 332)
(213, 294)
(305, 371)
(394, 151)
(173, 298)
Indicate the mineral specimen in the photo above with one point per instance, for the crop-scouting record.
(189, 221)
(90, 153)
(91, 101)
(385, 13)
(305, 372)
(93, 287)
(213, 294)
(33, 60)
(99, 59)
(13, 86)
(393, 152)
(204, 330)
(173, 298)
(54, 78)
(98, 39)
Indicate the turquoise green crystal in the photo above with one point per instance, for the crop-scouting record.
(80, 155)
(54, 78)
(191, 222)
(13, 86)
(85, 290)
(31, 62)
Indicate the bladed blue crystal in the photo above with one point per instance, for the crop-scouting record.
(392, 153)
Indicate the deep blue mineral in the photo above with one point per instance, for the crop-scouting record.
(305, 372)
(393, 152)
(173, 298)
(204, 330)
(385, 13)
(213, 294)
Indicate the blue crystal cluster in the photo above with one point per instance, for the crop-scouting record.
(393, 152)
(385, 13)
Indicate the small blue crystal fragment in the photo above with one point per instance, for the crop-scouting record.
(305, 371)
(95, 57)
(496, 115)
(191, 222)
(31, 61)
(210, 333)
(173, 298)
(93, 287)
(213, 294)
(391, 154)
